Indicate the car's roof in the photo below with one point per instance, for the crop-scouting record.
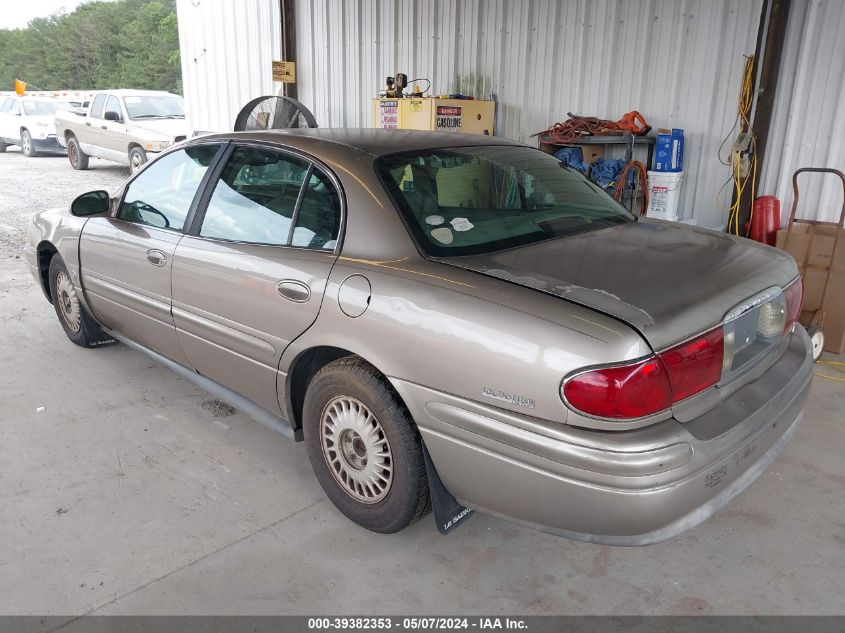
(373, 141)
(128, 92)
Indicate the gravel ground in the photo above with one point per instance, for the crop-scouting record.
(30, 185)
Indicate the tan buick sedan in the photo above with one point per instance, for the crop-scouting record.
(446, 319)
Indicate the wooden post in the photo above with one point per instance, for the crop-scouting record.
(288, 14)
(769, 69)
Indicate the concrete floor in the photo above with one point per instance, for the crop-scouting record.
(125, 496)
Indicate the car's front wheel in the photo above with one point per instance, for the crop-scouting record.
(79, 326)
(27, 145)
(137, 158)
(364, 447)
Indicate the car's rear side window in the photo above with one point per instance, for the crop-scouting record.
(97, 107)
(475, 200)
(259, 199)
(162, 194)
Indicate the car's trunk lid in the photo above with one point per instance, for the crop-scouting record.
(667, 280)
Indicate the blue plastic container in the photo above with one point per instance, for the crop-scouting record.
(669, 151)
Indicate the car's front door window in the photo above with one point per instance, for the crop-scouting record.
(162, 194)
(255, 198)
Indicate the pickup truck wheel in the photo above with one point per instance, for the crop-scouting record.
(79, 326)
(137, 158)
(26, 144)
(364, 447)
(78, 159)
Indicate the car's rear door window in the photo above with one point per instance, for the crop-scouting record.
(162, 194)
(318, 217)
(97, 107)
(257, 197)
(474, 200)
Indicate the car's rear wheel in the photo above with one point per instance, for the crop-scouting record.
(79, 326)
(27, 145)
(137, 158)
(364, 447)
(78, 159)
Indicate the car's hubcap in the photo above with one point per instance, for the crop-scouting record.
(136, 162)
(27, 143)
(356, 449)
(71, 150)
(68, 301)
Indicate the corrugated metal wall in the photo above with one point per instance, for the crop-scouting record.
(227, 47)
(677, 62)
(808, 124)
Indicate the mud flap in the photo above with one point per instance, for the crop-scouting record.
(448, 513)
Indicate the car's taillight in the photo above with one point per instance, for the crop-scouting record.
(794, 294)
(651, 385)
(696, 364)
(626, 391)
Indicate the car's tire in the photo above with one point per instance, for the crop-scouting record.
(79, 326)
(27, 146)
(78, 159)
(137, 158)
(3, 146)
(351, 416)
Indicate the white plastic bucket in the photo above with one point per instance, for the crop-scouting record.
(664, 194)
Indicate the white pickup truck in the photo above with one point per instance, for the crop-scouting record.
(124, 126)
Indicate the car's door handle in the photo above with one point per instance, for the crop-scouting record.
(293, 290)
(104, 127)
(88, 123)
(156, 257)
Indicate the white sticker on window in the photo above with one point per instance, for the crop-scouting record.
(442, 235)
(461, 224)
(435, 220)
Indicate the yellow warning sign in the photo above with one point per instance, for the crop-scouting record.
(284, 72)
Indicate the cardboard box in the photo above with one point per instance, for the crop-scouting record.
(812, 245)
(814, 280)
(812, 248)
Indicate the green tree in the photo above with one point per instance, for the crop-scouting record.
(123, 44)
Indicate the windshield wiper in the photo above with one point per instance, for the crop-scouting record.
(148, 116)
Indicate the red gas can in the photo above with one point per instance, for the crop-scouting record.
(765, 221)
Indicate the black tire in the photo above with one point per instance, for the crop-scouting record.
(405, 499)
(3, 146)
(137, 158)
(27, 146)
(83, 332)
(78, 159)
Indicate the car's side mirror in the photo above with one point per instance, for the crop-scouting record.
(111, 115)
(91, 203)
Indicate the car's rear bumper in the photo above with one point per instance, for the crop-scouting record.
(49, 144)
(621, 488)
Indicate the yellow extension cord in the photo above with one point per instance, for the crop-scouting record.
(746, 100)
(835, 364)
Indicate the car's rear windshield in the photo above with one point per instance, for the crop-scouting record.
(476, 200)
